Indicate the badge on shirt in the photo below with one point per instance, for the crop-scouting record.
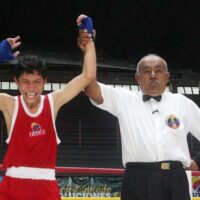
(173, 122)
(36, 130)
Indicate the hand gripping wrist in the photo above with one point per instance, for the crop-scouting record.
(86, 23)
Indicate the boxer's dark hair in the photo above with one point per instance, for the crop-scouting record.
(29, 64)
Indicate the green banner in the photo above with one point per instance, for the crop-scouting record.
(90, 186)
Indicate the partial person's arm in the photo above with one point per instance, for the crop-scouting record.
(7, 102)
(6, 48)
(194, 166)
(76, 85)
(7, 105)
(93, 89)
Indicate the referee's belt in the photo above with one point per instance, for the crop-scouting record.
(164, 165)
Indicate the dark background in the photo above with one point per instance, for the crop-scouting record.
(126, 30)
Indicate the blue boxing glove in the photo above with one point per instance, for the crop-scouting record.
(5, 51)
(86, 23)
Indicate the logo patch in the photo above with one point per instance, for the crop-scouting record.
(36, 130)
(173, 122)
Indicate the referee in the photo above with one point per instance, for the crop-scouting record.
(154, 126)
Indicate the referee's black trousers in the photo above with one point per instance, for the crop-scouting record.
(155, 181)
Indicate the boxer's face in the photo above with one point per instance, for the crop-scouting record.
(31, 86)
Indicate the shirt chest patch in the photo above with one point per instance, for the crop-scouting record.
(36, 130)
(172, 121)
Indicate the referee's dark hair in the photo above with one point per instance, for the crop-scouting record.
(29, 64)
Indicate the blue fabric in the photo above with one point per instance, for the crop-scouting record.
(86, 23)
(5, 51)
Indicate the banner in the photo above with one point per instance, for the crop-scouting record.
(196, 186)
(90, 186)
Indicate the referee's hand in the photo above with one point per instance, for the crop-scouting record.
(194, 166)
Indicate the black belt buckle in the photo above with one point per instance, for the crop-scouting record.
(165, 166)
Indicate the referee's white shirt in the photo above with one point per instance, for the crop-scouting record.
(152, 131)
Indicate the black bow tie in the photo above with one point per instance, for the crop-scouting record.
(147, 97)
